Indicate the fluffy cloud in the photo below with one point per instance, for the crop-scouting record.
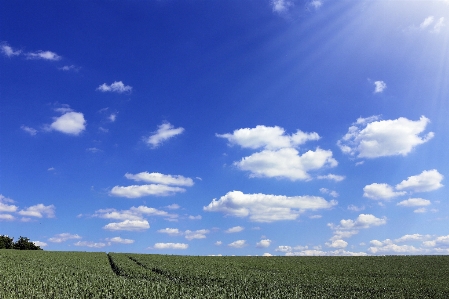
(163, 133)
(428, 180)
(238, 244)
(270, 138)
(40, 244)
(39, 211)
(120, 240)
(9, 51)
(380, 191)
(198, 234)
(349, 227)
(5, 205)
(266, 208)
(132, 214)
(235, 229)
(171, 246)
(264, 243)
(286, 162)
(379, 86)
(372, 138)
(59, 238)
(46, 55)
(128, 225)
(414, 202)
(7, 217)
(333, 177)
(90, 244)
(337, 244)
(117, 86)
(72, 123)
(318, 252)
(135, 191)
(439, 241)
(159, 178)
(281, 6)
(170, 231)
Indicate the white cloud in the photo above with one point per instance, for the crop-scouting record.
(317, 252)
(173, 206)
(286, 163)
(171, 246)
(7, 217)
(164, 132)
(363, 221)
(379, 86)
(427, 21)
(29, 130)
(59, 238)
(117, 86)
(238, 244)
(281, 6)
(330, 192)
(170, 231)
(218, 243)
(135, 191)
(380, 191)
(394, 248)
(39, 211)
(355, 208)
(5, 206)
(333, 177)
(46, 55)
(266, 208)
(93, 150)
(270, 138)
(235, 229)
(440, 24)
(69, 68)
(428, 180)
(40, 244)
(129, 225)
(414, 202)
(264, 243)
(283, 248)
(414, 237)
(9, 51)
(337, 244)
(159, 178)
(370, 138)
(90, 244)
(198, 234)
(343, 234)
(439, 241)
(72, 123)
(112, 117)
(197, 217)
(120, 240)
(132, 214)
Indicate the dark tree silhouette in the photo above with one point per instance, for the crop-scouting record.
(22, 244)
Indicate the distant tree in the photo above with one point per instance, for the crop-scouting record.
(25, 244)
(6, 242)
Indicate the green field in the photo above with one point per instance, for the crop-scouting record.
(46, 274)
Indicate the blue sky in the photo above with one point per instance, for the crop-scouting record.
(226, 127)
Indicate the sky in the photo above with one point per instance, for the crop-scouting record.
(250, 127)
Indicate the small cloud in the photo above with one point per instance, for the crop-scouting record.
(263, 243)
(427, 21)
(39, 211)
(71, 123)
(379, 86)
(281, 6)
(29, 130)
(159, 178)
(59, 238)
(112, 117)
(93, 150)
(198, 234)
(380, 191)
(90, 244)
(46, 55)
(67, 68)
(235, 229)
(165, 131)
(135, 191)
(333, 177)
(428, 180)
(120, 240)
(238, 244)
(128, 225)
(171, 246)
(40, 244)
(51, 169)
(173, 206)
(198, 217)
(218, 243)
(414, 202)
(9, 51)
(315, 216)
(117, 86)
(316, 4)
(355, 208)
(440, 24)
(337, 244)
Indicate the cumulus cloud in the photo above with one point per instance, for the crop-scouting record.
(40, 244)
(337, 244)
(8, 50)
(439, 241)
(263, 243)
(46, 55)
(39, 211)
(90, 244)
(362, 221)
(117, 87)
(380, 191)
(428, 180)
(266, 208)
(414, 202)
(170, 231)
(7, 217)
(330, 192)
(6, 206)
(235, 229)
(120, 240)
(373, 138)
(164, 132)
(270, 138)
(171, 246)
(134, 213)
(332, 177)
(388, 246)
(281, 6)
(238, 244)
(135, 191)
(198, 234)
(159, 178)
(379, 86)
(72, 123)
(59, 238)
(318, 252)
(128, 225)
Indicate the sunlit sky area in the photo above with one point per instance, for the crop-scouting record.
(250, 127)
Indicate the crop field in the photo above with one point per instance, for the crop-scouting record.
(46, 274)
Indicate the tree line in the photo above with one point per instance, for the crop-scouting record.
(23, 243)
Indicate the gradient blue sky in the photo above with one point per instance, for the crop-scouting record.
(226, 127)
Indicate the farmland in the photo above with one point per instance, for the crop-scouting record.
(46, 274)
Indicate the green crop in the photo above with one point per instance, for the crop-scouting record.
(46, 274)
